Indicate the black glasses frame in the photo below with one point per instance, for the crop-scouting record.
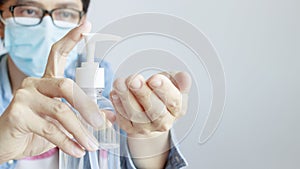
(45, 12)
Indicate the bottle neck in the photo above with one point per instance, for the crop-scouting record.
(93, 93)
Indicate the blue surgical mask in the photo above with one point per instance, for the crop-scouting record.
(29, 46)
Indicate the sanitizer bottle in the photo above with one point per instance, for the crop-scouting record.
(91, 79)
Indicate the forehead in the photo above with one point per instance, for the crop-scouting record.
(48, 4)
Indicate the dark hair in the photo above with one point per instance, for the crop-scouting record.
(85, 4)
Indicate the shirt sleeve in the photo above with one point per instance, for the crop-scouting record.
(175, 158)
(11, 164)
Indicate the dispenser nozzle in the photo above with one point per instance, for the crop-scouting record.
(89, 75)
(92, 38)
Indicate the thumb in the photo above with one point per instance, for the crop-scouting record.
(183, 81)
(61, 49)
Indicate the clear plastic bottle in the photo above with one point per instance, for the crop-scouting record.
(108, 155)
(91, 79)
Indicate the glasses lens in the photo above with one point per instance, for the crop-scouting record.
(66, 17)
(27, 15)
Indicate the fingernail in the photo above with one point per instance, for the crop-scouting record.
(121, 87)
(156, 83)
(136, 83)
(78, 152)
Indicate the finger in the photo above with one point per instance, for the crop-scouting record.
(182, 80)
(124, 122)
(168, 93)
(66, 88)
(118, 104)
(110, 115)
(121, 117)
(66, 117)
(151, 104)
(132, 108)
(61, 49)
(163, 123)
(52, 133)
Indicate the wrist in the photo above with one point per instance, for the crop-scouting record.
(149, 145)
(150, 135)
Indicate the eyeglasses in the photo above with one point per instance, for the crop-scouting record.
(27, 15)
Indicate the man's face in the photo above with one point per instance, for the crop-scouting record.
(44, 4)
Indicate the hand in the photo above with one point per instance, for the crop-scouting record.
(145, 107)
(35, 121)
(146, 110)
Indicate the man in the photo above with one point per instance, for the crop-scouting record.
(33, 120)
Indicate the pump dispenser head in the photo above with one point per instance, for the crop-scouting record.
(89, 75)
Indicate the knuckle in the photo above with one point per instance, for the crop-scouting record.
(28, 81)
(60, 108)
(165, 127)
(30, 152)
(154, 116)
(49, 130)
(63, 142)
(55, 47)
(65, 84)
(21, 94)
(179, 113)
(175, 101)
(175, 106)
(15, 115)
(162, 125)
(158, 114)
(140, 117)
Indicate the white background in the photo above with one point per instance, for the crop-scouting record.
(259, 45)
